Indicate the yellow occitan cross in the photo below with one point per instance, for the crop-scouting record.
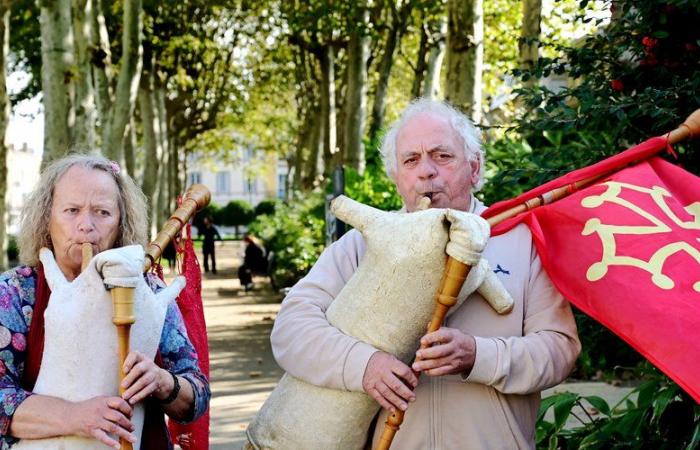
(607, 233)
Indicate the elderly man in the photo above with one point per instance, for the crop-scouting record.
(485, 371)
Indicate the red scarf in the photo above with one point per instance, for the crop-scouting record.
(155, 434)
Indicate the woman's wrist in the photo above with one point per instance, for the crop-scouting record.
(166, 385)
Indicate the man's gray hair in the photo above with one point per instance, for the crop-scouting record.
(36, 212)
(470, 136)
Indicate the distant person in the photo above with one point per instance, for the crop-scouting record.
(210, 234)
(170, 255)
(254, 261)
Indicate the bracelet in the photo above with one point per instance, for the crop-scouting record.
(173, 394)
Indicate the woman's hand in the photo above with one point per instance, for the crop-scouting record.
(100, 417)
(144, 378)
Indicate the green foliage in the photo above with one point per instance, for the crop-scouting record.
(295, 232)
(373, 188)
(266, 207)
(515, 165)
(655, 415)
(639, 77)
(602, 352)
(235, 213)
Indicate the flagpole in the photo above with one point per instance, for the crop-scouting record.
(689, 129)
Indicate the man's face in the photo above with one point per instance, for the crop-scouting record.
(431, 161)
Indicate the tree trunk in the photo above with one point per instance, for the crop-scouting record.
(128, 81)
(151, 144)
(528, 44)
(421, 65)
(385, 65)
(314, 145)
(56, 78)
(163, 195)
(173, 188)
(431, 84)
(101, 67)
(162, 131)
(4, 120)
(129, 145)
(84, 130)
(465, 54)
(328, 109)
(356, 98)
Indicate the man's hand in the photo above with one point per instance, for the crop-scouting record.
(449, 351)
(144, 378)
(389, 381)
(99, 417)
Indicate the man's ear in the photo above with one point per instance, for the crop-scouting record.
(475, 167)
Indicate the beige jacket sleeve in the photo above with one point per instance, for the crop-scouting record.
(546, 352)
(304, 343)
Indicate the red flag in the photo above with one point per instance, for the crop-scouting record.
(194, 436)
(626, 251)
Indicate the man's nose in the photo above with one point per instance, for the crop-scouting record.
(427, 169)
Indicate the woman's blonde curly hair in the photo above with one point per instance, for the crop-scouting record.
(36, 212)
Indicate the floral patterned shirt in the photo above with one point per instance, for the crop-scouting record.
(16, 306)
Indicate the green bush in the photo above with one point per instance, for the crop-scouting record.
(295, 232)
(235, 214)
(266, 207)
(638, 77)
(656, 415)
(372, 188)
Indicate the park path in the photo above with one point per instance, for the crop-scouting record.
(243, 371)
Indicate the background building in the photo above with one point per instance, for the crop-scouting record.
(257, 176)
(23, 166)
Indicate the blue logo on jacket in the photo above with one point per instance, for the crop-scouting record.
(500, 269)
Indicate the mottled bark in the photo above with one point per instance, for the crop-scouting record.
(56, 77)
(101, 58)
(83, 139)
(465, 54)
(528, 44)
(421, 64)
(4, 120)
(385, 65)
(431, 84)
(328, 108)
(314, 147)
(151, 142)
(128, 80)
(129, 146)
(162, 203)
(355, 97)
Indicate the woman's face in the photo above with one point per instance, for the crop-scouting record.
(85, 209)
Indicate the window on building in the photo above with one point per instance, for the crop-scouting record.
(223, 183)
(195, 178)
(250, 185)
(282, 186)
